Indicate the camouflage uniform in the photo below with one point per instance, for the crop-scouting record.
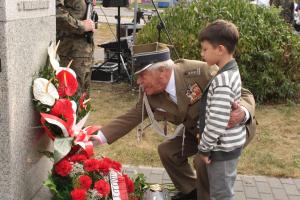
(73, 44)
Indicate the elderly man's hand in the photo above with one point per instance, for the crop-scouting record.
(98, 139)
(237, 115)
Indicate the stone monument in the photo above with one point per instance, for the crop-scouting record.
(26, 28)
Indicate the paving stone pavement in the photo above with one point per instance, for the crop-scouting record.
(246, 187)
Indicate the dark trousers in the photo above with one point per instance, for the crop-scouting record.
(180, 171)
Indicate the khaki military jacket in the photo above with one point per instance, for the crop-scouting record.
(187, 73)
(70, 29)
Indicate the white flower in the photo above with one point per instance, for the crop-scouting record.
(94, 194)
(52, 55)
(77, 170)
(44, 91)
(52, 49)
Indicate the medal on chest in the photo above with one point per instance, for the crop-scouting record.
(194, 93)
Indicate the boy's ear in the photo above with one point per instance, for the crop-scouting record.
(222, 48)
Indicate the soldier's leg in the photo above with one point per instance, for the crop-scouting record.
(202, 179)
(176, 165)
(82, 67)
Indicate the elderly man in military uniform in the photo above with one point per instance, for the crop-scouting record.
(171, 92)
(71, 27)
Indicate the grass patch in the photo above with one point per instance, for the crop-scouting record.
(273, 152)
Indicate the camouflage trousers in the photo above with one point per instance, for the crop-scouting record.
(82, 67)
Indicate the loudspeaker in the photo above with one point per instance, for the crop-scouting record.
(115, 3)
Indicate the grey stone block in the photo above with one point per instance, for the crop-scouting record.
(3, 74)
(14, 13)
(279, 194)
(157, 171)
(266, 196)
(291, 189)
(166, 176)
(36, 175)
(43, 193)
(260, 179)
(297, 182)
(131, 172)
(23, 50)
(2, 14)
(287, 181)
(238, 186)
(155, 178)
(274, 182)
(144, 169)
(251, 192)
(294, 197)
(238, 178)
(263, 187)
(156, 175)
(239, 196)
(248, 181)
(167, 181)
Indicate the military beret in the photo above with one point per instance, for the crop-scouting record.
(146, 55)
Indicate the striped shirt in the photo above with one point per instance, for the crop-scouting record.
(223, 91)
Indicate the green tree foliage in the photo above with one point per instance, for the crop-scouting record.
(268, 52)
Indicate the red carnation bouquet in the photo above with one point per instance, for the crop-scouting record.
(79, 177)
(76, 173)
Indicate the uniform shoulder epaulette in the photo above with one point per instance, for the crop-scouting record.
(181, 60)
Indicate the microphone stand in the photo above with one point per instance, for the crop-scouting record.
(162, 25)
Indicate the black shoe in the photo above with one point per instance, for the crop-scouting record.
(181, 196)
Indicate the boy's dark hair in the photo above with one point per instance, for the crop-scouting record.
(221, 32)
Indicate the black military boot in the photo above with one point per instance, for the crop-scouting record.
(189, 196)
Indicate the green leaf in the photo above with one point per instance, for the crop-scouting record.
(62, 147)
(50, 184)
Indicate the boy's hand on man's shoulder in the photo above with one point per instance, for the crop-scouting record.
(237, 115)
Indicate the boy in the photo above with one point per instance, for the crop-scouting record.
(220, 147)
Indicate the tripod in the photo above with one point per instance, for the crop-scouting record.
(115, 62)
